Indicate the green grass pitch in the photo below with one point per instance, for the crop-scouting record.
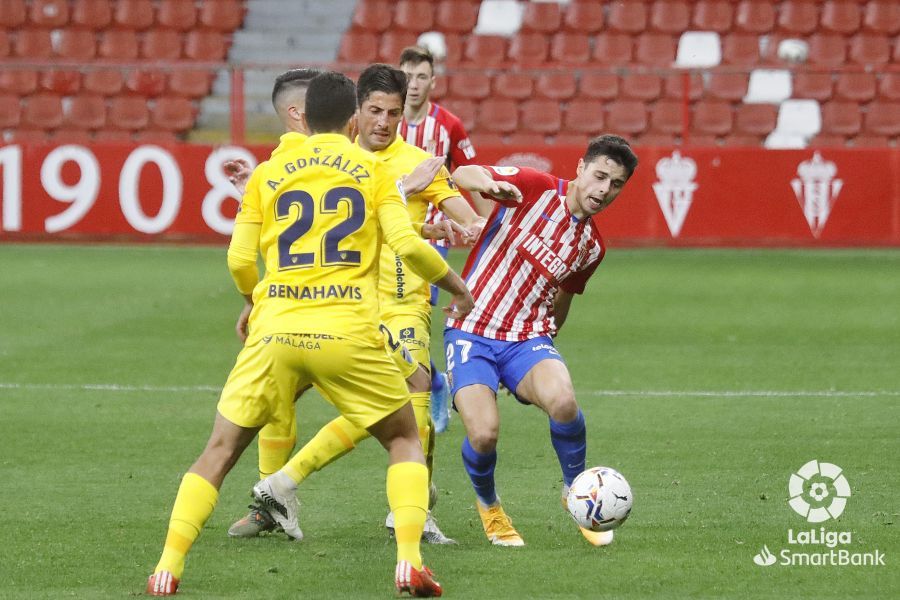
(707, 378)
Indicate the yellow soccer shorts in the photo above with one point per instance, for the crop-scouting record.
(413, 330)
(362, 380)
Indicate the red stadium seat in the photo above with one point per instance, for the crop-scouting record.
(656, 49)
(456, 16)
(541, 17)
(358, 47)
(738, 140)
(22, 135)
(584, 117)
(205, 45)
(146, 82)
(670, 16)
(626, 117)
(613, 48)
(889, 87)
(666, 117)
(190, 83)
(133, 14)
(414, 15)
(712, 118)
(731, 86)
(49, 13)
(584, 17)
(630, 17)
(517, 86)
(895, 55)
(12, 13)
(754, 16)
(604, 86)
(578, 140)
(222, 15)
(18, 81)
(870, 141)
(454, 43)
(155, 136)
(118, 44)
(114, 136)
(883, 118)
(371, 15)
(882, 16)
(840, 16)
(841, 118)
(641, 86)
(798, 17)
(827, 49)
(570, 48)
(128, 113)
(540, 116)
(464, 109)
(106, 82)
(172, 114)
(485, 50)
(393, 43)
(702, 140)
(498, 115)
(815, 86)
(673, 86)
(85, 112)
(858, 87)
(713, 15)
(755, 119)
(76, 44)
(827, 140)
(558, 85)
(63, 82)
(483, 139)
(740, 49)
(5, 46)
(529, 48)
(868, 49)
(91, 14)
(180, 15)
(33, 43)
(471, 85)
(10, 111)
(42, 111)
(161, 44)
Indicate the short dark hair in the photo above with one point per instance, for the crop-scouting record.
(615, 147)
(293, 79)
(380, 78)
(416, 55)
(330, 102)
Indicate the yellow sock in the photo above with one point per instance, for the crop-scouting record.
(194, 503)
(274, 451)
(407, 492)
(421, 403)
(334, 440)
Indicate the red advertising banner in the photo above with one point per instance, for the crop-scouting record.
(683, 197)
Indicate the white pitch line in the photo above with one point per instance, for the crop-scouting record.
(110, 387)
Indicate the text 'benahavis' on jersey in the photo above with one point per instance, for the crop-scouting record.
(526, 253)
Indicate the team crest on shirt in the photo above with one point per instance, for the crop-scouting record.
(505, 171)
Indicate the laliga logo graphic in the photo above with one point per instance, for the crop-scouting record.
(822, 484)
(675, 189)
(816, 190)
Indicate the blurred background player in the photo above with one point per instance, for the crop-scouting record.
(539, 249)
(439, 132)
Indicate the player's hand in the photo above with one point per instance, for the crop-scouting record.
(460, 306)
(422, 176)
(238, 171)
(242, 327)
(474, 231)
(445, 229)
(503, 190)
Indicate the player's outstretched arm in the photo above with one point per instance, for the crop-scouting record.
(422, 176)
(476, 178)
(242, 253)
(238, 171)
(561, 305)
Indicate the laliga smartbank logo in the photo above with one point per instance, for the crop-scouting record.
(818, 493)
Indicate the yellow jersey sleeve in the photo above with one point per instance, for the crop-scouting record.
(242, 252)
(441, 188)
(250, 211)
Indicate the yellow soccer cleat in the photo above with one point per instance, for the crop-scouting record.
(498, 526)
(596, 538)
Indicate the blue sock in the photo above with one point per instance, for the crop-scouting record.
(570, 442)
(437, 382)
(480, 468)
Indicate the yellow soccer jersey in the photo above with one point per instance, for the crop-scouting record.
(398, 286)
(287, 141)
(323, 208)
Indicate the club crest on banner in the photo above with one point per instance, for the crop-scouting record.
(675, 189)
(817, 189)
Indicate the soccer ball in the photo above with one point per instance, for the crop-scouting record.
(599, 499)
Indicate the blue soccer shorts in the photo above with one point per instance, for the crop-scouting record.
(472, 359)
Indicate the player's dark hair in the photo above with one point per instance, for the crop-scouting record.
(415, 55)
(292, 80)
(380, 78)
(615, 147)
(330, 102)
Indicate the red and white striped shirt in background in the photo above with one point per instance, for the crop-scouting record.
(441, 133)
(526, 253)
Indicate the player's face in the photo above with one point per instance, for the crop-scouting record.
(379, 117)
(420, 82)
(599, 182)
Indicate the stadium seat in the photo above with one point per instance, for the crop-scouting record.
(392, 44)
(629, 17)
(128, 113)
(827, 49)
(498, 115)
(42, 111)
(870, 141)
(133, 14)
(712, 118)
(499, 17)
(541, 17)
(59, 81)
(10, 111)
(23, 135)
(106, 82)
(358, 47)
(371, 15)
(727, 85)
(883, 118)
(666, 117)
(558, 85)
(613, 48)
(155, 136)
(798, 17)
(517, 86)
(641, 86)
(172, 114)
(540, 116)
(698, 49)
(740, 49)
(205, 45)
(603, 86)
(841, 118)
(741, 140)
(482, 139)
(119, 44)
(5, 46)
(222, 15)
(583, 117)
(673, 86)
(570, 48)
(895, 55)
(755, 119)
(33, 43)
(113, 136)
(12, 13)
(670, 16)
(180, 15)
(801, 118)
(91, 14)
(456, 16)
(84, 112)
(626, 117)
(827, 140)
(413, 15)
(75, 44)
(889, 86)
(145, 82)
(470, 85)
(655, 49)
(584, 17)
(454, 44)
(754, 16)
(161, 44)
(840, 16)
(768, 85)
(816, 86)
(577, 140)
(18, 81)
(712, 15)
(870, 50)
(858, 87)
(464, 109)
(529, 48)
(882, 16)
(485, 50)
(49, 13)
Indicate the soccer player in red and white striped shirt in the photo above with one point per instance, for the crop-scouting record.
(539, 248)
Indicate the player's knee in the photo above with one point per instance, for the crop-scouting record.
(484, 439)
(561, 406)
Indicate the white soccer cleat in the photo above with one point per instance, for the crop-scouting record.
(281, 503)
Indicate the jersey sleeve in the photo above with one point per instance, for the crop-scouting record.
(440, 189)
(576, 282)
(462, 152)
(531, 183)
(249, 210)
(242, 252)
